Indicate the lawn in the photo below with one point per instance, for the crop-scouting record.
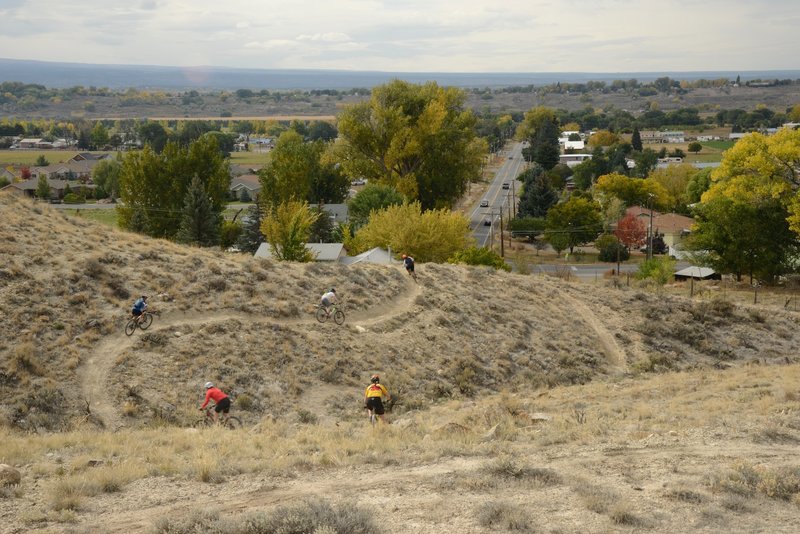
(249, 158)
(29, 157)
(104, 216)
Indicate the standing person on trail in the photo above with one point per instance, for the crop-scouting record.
(139, 306)
(328, 300)
(222, 403)
(373, 396)
(408, 263)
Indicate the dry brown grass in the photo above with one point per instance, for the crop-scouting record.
(503, 390)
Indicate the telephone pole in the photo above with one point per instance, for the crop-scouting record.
(502, 249)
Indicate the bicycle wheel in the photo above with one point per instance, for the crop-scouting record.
(130, 328)
(147, 320)
(322, 315)
(373, 419)
(233, 422)
(338, 316)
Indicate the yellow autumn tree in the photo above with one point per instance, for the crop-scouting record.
(433, 235)
(287, 229)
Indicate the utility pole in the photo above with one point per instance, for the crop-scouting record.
(513, 198)
(650, 230)
(491, 230)
(502, 249)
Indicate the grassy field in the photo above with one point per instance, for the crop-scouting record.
(29, 157)
(107, 217)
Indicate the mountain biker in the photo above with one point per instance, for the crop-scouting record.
(373, 396)
(328, 300)
(222, 403)
(139, 306)
(408, 263)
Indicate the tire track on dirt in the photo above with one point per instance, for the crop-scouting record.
(615, 355)
(93, 375)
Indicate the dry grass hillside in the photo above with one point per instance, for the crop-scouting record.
(611, 409)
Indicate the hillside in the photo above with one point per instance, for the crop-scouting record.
(506, 387)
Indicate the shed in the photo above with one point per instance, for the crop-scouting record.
(321, 251)
(698, 273)
(375, 255)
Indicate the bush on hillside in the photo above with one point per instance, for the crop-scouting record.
(479, 256)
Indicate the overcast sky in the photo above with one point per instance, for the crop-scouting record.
(410, 35)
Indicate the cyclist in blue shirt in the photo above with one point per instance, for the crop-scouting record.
(139, 307)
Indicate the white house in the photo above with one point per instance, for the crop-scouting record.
(322, 251)
(571, 160)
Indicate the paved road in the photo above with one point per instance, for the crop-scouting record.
(593, 270)
(497, 197)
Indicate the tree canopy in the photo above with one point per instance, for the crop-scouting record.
(420, 139)
(153, 185)
(373, 197)
(433, 235)
(572, 223)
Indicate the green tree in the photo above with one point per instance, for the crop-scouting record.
(674, 179)
(697, 185)
(373, 197)
(527, 227)
(611, 249)
(154, 135)
(292, 166)
(229, 234)
(479, 256)
(322, 230)
(636, 139)
(538, 195)
(41, 161)
(659, 270)
(251, 237)
(287, 229)
(633, 191)
(433, 235)
(43, 190)
(744, 238)
(106, 176)
(545, 148)
(573, 223)
(695, 147)
(645, 161)
(99, 135)
(156, 184)
(420, 140)
(322, 131)
(200, 223)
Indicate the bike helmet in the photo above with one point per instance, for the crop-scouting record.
(375, 379)
(333, 290)
(404, 256)
(144, 297)
(209, 385)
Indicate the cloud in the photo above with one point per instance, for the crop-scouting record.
(325, 37)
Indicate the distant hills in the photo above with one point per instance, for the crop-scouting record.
(59, 75)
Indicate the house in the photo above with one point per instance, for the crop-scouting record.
(572, 160)
(697, 273)
(574, 145)
(374, 255)
(71, 170)
(8, 175)
(339, 213)
(246, 183)
(322, 251)
(57, 187)
(88, 156)
(673, 227)
(673, 137)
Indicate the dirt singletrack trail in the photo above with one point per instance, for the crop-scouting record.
(615, 355)
(93, 375)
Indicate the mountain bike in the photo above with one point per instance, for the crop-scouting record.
(232, 421)
(323, 315)
(144, 321)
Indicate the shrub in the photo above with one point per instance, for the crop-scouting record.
(660, 270)
(479, 256)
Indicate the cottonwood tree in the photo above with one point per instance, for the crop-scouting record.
(301, 171)
(540, 128)
(106, 174)
(573, 223)
(633, 191)
(155, 184)
(419, 139)
(432, 235)
(287, 229)
(373, 197)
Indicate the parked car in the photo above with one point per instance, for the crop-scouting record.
(360, 181)
(484, 203)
